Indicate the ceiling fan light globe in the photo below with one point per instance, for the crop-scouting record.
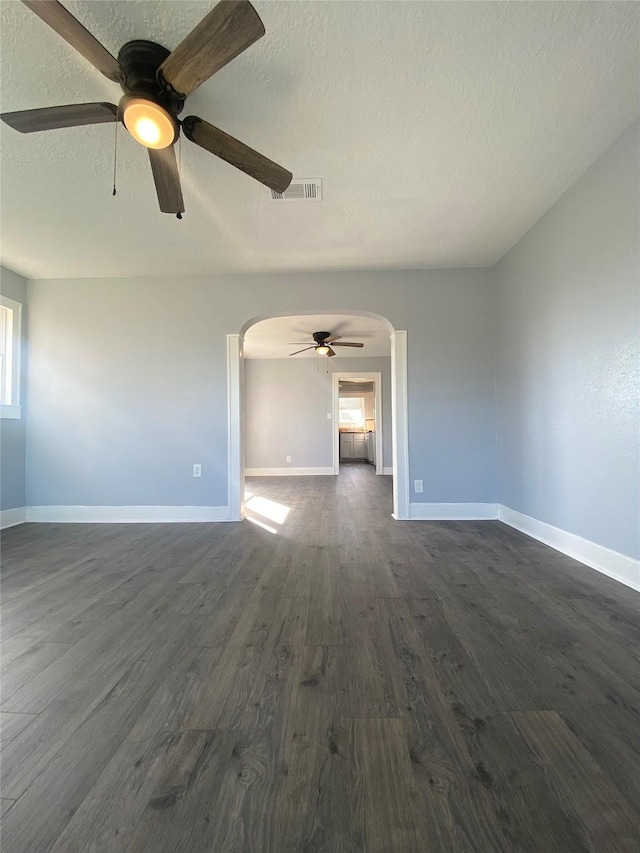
(147, 131)
(322, 350)
(149, 123)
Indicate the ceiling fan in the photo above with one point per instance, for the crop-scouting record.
(156, 83)
(321, 345)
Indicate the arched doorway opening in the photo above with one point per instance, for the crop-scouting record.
(399, 419)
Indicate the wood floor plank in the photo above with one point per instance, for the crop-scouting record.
(113, 635)
(181, 811)
(368, 663)
(456, 672)
(84, 623)
(328, 608)
(580, 783)
(315, 808)
(11, 725)
(226, 694)
(523, 673)
(388, 798)
(441, 763)
(79, 696)
(531, 816)
(43, 811)
(16, 646)
(27, 666)
(52, 613)
(299, 578)
(371, 579)
(218, 611)
(5, 805)
(120, 795)
(257, 767)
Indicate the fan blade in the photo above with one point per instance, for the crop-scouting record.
(330, 353)
(71, 30)
(69, 115)
(347, 344)
(236, 153)
(230, 27)
(167, 179)
(302, 350)
(332, 338)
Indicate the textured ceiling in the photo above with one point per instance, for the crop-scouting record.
(441, 130)
(269, 338)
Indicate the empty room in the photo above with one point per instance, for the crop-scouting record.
(320, 426)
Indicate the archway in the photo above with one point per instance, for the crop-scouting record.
(399, 414)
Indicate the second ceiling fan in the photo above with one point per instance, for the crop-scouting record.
(321, 344)
(156, 83)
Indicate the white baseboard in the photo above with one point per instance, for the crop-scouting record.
(287, 472)
(11, 517)
(453, 512)
(615, 565)
(388, 469)
(126, 514)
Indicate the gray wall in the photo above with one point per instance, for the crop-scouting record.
(568, 358)
(286, 405)
(12, 432)
(128, 379)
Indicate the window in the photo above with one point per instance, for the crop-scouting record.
(351, 412)
(10, 332)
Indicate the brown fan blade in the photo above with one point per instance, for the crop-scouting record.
(330, 353)
(302, 350)
(69, 115)
(347, 344)
(167, 179)
(71, 30)
(236, 153)
(230, 27)
(331, 339)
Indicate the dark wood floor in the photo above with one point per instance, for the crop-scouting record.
(345, 683)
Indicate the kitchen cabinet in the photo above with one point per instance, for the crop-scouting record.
(352, 446)
(370, 447)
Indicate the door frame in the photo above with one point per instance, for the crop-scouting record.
(376, 378)
(399, 419)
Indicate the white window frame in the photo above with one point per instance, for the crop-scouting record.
(11, 408)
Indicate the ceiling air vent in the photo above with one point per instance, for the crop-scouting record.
(302, 189)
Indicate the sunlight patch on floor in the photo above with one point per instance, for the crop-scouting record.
(267, 509)
(261, 524)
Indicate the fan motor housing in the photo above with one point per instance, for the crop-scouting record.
(140, 60)
(319, 337)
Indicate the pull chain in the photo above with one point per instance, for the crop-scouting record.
(178, 214)
(115, 156)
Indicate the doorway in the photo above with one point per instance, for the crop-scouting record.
(399, 415)
(368, 426)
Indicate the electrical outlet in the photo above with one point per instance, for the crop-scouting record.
(197, 470)
(417, 486)
(288, 459)
(328, 416)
